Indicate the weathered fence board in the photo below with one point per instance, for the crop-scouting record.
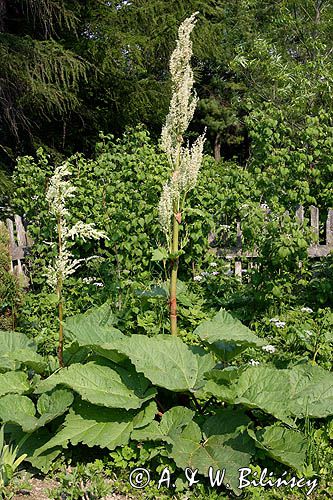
(316, 250)
(19, 244)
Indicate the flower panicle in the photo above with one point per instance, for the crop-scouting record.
(59, 191)
(190, 163)
(185, 161)
(85, 231)
(183, 100)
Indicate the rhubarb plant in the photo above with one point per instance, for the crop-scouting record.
(184, 161)
(119, 389)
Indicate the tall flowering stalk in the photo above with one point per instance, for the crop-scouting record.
(185, 161)
(59, 191)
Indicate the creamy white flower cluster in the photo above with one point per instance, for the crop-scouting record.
(269, 348)
(59, 191)
(276, 322)
(205, 274)
(92, 281)
(307, 310)
(183, 100)
(185, 161)
(252, 362)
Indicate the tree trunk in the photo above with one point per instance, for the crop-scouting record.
(217, 147)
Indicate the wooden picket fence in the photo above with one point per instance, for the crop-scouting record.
(236, 255)
(19, 244)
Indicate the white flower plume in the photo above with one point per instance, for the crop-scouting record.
(59, 191)
(185, 161)
(183, 100)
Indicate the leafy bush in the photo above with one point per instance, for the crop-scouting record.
(293, 165)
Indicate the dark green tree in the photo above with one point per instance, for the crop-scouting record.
(39, 75)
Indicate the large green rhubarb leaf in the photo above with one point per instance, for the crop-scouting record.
(17, 349)
(300, 391)
(99, 384)
(172, 423)
(96, 426)
(51, 406)
(28, 358)
(226, 335)
(14, 382)
(225, 452)
(94, 327)
(226, 421)
(12, 341)
(20, 410)
(287, 446)
(166, 361)
(311, 391)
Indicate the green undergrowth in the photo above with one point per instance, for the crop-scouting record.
(161, 402)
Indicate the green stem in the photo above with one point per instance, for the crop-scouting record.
(174, 273)
(60, 301)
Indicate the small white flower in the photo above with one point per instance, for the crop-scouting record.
(197, 278)
(252, 362)
(273, 320)
(213, 264)
(215, 273)
(97, 283)
(269, 348)
(280, 324)
(204, 273)
(88, 280)
(306, 310)
(308, 332)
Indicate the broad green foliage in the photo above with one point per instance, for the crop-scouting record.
(20, 410)
(94, 327)
(226, 335)
(14, 382)
(285, 445)
(17, 409)
(109, 404)
(30, 444)
(167, 362)
(101, 385)
(229, 451)
(301, 391)
(168, 430)
(95, 426)
(17, 350)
